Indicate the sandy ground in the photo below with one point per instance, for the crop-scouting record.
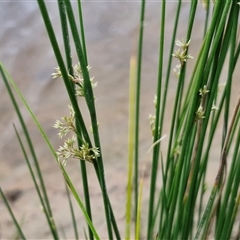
(26, 53)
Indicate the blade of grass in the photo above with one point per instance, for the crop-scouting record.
(230, 203)
(156, 134)
(169, 65)
(49, 218)
(233, 33)
(137, 104)
(138, 219)
(184, 67)
(64, 72)
(131, 143)
(19, 229)
(205, 124)
(175, 186)
(72, 214)
(73, 190)
(76, 196)
(196, 88)
(82, 30)
(192, 113)
(85, 234)
(63, 18)
(139, 206)
(90, 100)
(88, 94)
(206, 215)
(65, 34)
(44, 199)
(3, 70)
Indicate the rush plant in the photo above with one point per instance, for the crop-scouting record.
(185, 206)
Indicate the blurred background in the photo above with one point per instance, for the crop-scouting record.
(111, 29)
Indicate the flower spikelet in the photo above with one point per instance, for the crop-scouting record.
(177, 70)
(199, 113)
(152, 120)
(203, 91)
(76, 78)
(181, 53)
(182, 44)
(67, 124)
(57, 73)
(84, 152)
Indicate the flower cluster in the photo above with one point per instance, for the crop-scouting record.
(181, 53)
(199, 114)
(203, 91)
(70, 148)
(77, 78)
(177, 150)
(152, 118)
(176, 70)
(57, 73)
(84, 152)
(67, 124)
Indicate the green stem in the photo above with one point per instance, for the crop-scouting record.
(12, 215)
(90, 100)
(156, 134)
(137, 106)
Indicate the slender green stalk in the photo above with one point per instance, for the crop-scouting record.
(82, 30)
(169, 65)
(137, 107)
(206, 215)
(162, 201)
(63, 18)
(49, 218)
(85, 187)
(206, 155)
(88, 90)
(72, 214)
(44, 199)
(233, 34)
(91, 106)
(206, 18)
(183, 68)
(226, 207)
(131, 143)
(138, 217)
(12, 215)
(205, 124)
(75, 194)
(65, 34)
(64, 72)
(72, 188)
(65, 174)
(156, 134)
(230, 197)
(174, 125)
